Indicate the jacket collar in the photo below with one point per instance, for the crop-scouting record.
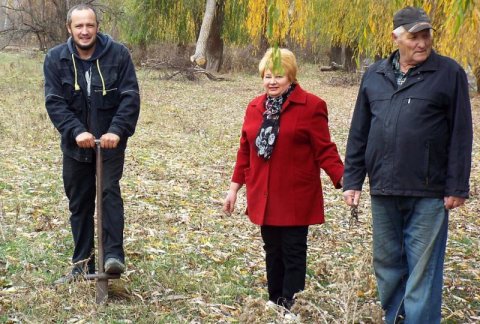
(430, 64)
(298, 96)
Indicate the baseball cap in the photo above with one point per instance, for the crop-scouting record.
(412, 19)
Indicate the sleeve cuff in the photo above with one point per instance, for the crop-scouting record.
(116, 131)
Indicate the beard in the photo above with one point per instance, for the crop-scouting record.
(85, 47)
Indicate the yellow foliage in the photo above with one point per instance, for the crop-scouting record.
(363, 25)
(287, 19)
(459, 33)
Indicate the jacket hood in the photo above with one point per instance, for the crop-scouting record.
(102, 45)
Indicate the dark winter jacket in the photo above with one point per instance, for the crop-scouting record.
(414, 140)
(114, 102)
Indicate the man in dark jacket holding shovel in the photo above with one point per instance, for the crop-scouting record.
(411, 133)
(91, 92)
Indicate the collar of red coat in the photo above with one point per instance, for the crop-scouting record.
(298, 95)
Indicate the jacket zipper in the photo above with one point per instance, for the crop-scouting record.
(427, 169)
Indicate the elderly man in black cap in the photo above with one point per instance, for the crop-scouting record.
(411, 133)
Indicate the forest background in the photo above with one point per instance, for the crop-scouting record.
(187, 262)
(346, 33)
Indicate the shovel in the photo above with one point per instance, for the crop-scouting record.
(101, 277)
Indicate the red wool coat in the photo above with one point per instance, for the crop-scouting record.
(286, 190)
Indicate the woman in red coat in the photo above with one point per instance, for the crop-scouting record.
(284, 143)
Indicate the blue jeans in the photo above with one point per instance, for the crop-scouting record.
(409, 240)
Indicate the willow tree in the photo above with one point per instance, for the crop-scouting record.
(279, 22)
(209, 47)
(362, 26)
(459, 32)
(366, 26)
(145, 22)
(359, 26)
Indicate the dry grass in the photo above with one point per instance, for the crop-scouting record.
(187, 263)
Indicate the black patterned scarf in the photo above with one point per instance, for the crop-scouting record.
(268, 132)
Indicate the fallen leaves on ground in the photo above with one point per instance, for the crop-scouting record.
(187, 262)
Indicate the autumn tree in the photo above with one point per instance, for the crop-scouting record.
(43, 19)
(362, 28)
(209, 48)
(459, 32)
(277, 21)
(145, 22)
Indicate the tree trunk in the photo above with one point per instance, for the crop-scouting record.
(350, 65)
(199, 56)
(215, 41)
(264, 43)
(4, 16)
(336, 55)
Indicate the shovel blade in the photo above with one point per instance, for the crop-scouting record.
(101, 291)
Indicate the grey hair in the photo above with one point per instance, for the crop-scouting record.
(399, 31)
(81, 6)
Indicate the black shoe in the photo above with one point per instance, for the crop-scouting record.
(114, 266)
(286, 302)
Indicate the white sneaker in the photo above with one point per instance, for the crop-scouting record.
(291, 317)
(271, 305)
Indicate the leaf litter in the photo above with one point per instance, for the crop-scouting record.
(186, 261)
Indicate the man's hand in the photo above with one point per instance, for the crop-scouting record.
(452, 202)
(85, 140)
(352, 197)
(109, 141)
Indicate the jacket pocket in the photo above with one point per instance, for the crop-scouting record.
(73, 97)
(427, 163)
(435, 169)
(307, 194)
(106, 90)
(306, 184)
(109, 100)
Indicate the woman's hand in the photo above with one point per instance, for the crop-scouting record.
(229, 203)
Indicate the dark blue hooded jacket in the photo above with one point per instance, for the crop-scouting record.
(114, 102)
(413, 140)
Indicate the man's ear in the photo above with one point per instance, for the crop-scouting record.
(395, 38)
(68, 29)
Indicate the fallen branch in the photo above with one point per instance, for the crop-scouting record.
(332, 67)
(189, 72)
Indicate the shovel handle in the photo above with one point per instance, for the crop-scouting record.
(101, 276)
(99, 174)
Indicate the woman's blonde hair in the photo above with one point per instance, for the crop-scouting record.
(288, 63)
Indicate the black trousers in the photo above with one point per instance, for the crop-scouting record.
(80, 188)
(286, 258)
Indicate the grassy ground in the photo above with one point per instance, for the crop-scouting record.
(188, 263)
